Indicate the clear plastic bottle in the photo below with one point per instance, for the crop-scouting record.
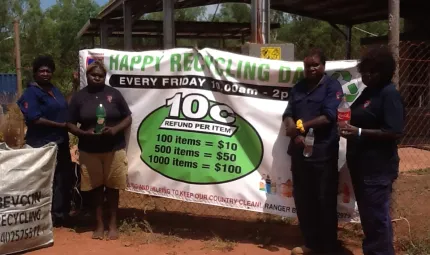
(268, 185)
(309, 143)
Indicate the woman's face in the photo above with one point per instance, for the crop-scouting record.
(314, 69)
(43, 75)
(96, 77)
(369, 78)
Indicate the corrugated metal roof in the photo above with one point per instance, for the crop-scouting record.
(8, 89)
(348, 12)
(183, 29)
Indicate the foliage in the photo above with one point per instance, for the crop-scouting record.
(53, 31)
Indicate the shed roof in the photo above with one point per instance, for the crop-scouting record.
(348, 12)
(183, 29)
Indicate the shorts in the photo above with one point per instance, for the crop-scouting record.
(107, 169)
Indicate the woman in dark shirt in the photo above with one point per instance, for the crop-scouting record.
(377, 122)
(45, 112)
(102, 157)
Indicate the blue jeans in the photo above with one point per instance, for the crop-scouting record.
(373, 196)
(64, 179)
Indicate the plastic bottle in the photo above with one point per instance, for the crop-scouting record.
(263, 183)
(279, 186)
(343, 113)
(309, 143)
(101, 119)
(268, 185)
(273, 187)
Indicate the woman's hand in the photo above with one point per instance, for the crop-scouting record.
(292, 131)
(300, 140)
(90, 132)
(349, 131)
(111, 131)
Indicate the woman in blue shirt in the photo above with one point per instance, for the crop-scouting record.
(45, 112)
(377, 123)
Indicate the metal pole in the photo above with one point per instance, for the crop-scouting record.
(169, 24)
(394, 34)
(254, 21)
(128, 25)
(18, 75)
(348, 41)
(267, 21)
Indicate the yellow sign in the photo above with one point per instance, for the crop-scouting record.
(271, 52)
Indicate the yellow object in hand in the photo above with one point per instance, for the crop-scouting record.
(299, 126)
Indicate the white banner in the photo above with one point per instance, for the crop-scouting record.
(26, 177)
(207, 126)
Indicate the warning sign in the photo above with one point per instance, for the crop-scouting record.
(271, 53)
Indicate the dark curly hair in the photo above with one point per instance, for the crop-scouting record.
(379, 60)
(41, 61)
(317, 52)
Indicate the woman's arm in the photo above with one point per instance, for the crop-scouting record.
(329, 108)
(392, 124)
(29, 105)
(77, 131)
(125, 111)
(49, 123)
(377, 134)
(125, 123)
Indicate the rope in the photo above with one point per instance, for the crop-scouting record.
(409, 227)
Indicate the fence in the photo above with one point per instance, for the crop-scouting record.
(414, 74)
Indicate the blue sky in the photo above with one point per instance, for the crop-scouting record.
(47, 3)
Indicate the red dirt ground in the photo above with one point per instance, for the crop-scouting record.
(170, 227)
(68, 242)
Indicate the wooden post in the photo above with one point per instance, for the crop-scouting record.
(348, 41)
(18, 75)
(169, 24)
(128, 26)
(17, 57)
(394, 34)
(254, 21)
(104, 35)
(267, 21)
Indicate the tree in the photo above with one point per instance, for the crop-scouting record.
(186, 14)
(234, 12)
(52, 31)
(305, 33)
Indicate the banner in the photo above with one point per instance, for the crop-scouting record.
(207, 126)
(26, 177)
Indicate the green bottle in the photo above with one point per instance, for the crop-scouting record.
(101, 119)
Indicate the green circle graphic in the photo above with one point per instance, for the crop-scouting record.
(197, 157)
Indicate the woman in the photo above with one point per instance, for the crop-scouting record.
(45, 111)
(102, 156)
(377, 122)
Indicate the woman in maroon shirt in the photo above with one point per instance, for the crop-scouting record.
(102, 156)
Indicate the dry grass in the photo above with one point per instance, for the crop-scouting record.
(217, 243)
(139, 231)
(420, 247)
(9, 129)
